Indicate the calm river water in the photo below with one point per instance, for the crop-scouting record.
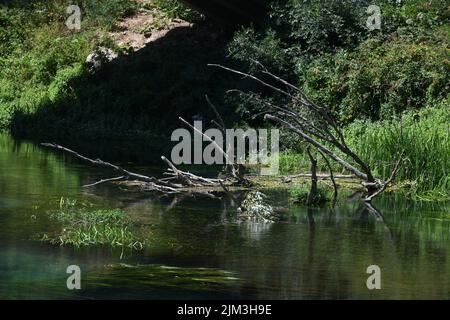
(200, 251)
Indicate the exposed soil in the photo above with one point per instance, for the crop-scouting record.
(146, 26)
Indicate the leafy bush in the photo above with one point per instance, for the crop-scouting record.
(421, 14)
(248, 45)
(325, 47)
(299, 28)
(12, 31)
(379, 79)
(320, 26)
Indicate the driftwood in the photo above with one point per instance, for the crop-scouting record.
(335, 187)
(178, 181)
(323, 176)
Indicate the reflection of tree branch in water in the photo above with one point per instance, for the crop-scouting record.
(310, 219)
(175, 201)
(355, 195)
(368, 207)
(312, 232)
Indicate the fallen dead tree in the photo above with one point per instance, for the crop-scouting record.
(315, 125)
(177, 181)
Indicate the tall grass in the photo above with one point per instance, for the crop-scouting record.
(83, 227)
(423, 137)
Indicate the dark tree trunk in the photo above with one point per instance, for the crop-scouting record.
(313, 191)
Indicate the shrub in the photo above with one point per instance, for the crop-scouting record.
(325, 48)
(298, 28)
(379, 79)
(320, 26)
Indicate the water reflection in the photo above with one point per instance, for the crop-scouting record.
(311, 253)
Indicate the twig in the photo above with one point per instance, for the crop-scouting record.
(103, 181)
(387, 182)
(331, 175)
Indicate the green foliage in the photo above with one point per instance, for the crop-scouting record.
(423, 136)
(293, 162)
(12, 31)
(105, 13)
(300, 28)
(419, 14)
(300, 195)
(42, 73)
(176, 10)
(325, 48)
(248, 46)
(379, 79)
(61, 87)
(84, 227)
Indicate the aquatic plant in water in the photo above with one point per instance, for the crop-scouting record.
(255, 208)
(85, 227)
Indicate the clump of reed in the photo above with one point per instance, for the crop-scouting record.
(424, 139)
(423, 136)
(82, 227)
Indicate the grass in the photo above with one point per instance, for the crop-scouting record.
(300, 195)
(175, 10)
(48, 93)
(423, 136)
(40, 57)
(84, 227)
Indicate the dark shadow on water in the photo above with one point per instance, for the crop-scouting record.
(132, 105)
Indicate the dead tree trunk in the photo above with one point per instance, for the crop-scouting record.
(316, 125)
(312, 197)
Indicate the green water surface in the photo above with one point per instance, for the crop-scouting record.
(199, 250)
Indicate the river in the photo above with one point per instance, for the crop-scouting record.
(199, 249)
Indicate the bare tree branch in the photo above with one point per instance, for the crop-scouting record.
(331, 175)
(387, 182)
(103, 181)
(319, 146)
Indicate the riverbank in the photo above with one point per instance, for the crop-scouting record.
(48, 92)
